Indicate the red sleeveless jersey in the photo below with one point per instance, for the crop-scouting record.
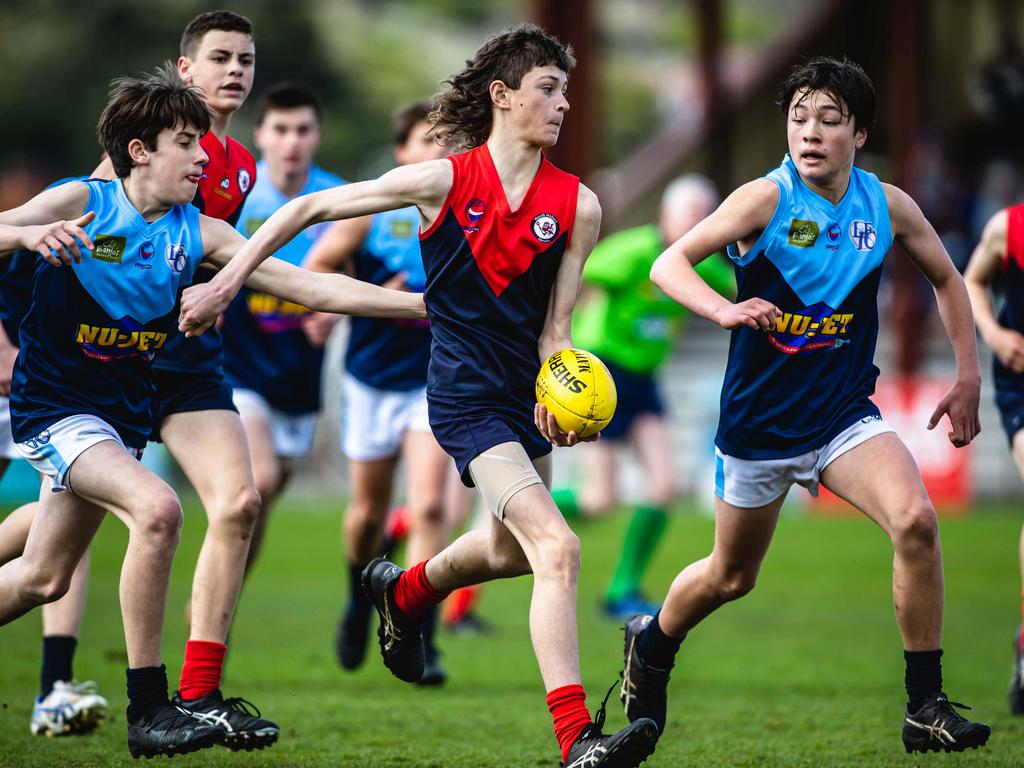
(489, 275)
(1011, 315)
(227, 179)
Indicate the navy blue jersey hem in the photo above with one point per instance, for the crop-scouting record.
(742, 450)
(186, 393)
(24, 429)
(637, 395)
(1009, 401)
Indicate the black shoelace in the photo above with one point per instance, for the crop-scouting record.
(246, 707)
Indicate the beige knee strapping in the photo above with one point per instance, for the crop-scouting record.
(501, 472)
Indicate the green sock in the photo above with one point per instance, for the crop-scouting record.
(642, 537)
(565, 500)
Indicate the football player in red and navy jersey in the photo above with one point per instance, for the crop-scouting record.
(504, 236)
(193, 412)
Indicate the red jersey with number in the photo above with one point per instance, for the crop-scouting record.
(489, 272)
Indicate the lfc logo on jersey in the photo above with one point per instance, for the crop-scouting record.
(545, 227)
(176, 257)
(862, 234)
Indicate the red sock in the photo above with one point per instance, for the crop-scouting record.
(568, 708)
(200, 674)
(460, 603)
(413, 593)
(397, 525)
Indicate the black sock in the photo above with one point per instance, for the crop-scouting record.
(656, 648)
(429, 628)
(58, 655)
(147, 688)
(356, 597)
(923, 677)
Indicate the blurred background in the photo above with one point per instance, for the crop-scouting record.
(661, 88)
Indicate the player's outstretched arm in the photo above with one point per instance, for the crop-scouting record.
(740, 218)
(321, 292)
(918, 238)
(557, 331)
(332, 252)
(988, 256)
(49, 224)
(423, 184)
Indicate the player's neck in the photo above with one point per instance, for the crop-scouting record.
(140, 194)
(516, 162)
(832, 188)
(220, 125)
(288, 184)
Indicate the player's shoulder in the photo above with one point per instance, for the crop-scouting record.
(588, 207)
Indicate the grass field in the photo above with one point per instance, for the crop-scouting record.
(807, 671)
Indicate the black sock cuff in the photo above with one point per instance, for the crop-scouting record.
(657, 648)
(147, 688)
(58, 658)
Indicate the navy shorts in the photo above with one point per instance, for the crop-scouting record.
(467, 426)
(181, 392)
(1010, 402)
(637, 395)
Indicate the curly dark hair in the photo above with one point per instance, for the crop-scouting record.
(142, 107)
(843, 79)
(462, 112)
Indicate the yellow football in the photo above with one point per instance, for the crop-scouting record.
(577, 388)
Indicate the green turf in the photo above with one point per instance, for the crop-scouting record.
(807, 671)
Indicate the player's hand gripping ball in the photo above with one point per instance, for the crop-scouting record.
(577, 388)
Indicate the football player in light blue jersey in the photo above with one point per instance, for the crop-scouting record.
(384, 410)
(271, 366)
(808, 243)
(82, 386)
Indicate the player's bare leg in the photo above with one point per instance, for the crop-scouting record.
(880, 478)
(372, 482)
(269, 472)
(14, 531)
(212, 451)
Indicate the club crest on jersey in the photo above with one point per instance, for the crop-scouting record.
(244, 180)
(862, 234)
(545, 227)
(835, 234)
(474, 211)
(813, 329)
(176, 257)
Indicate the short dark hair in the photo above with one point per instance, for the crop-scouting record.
(408, 118)
(142, 107)
(462, 114)
(287, 96)
(843, 79)
(223, 21)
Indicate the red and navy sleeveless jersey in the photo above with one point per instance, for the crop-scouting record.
(227, 179)
(1011, 315)
(489, 274)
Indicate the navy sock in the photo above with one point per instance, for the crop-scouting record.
(58, 655)
(357, 599)
(656, 648)
(147, 689)
(923, 676)
(429, 628)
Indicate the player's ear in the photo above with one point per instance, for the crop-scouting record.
(184, 65)
(500, 96)
(137, 152)
(860, 137)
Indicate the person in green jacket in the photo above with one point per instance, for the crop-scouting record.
(632, 326)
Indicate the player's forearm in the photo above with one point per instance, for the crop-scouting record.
(674, 274)
(345, 295)
(984, 314)
(955, 311)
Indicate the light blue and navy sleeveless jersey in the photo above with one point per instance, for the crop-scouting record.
(94, 328)
(386, 353)
(226, 182)
(265, 349)
(489, 276)
(17, 272)
(792, 389)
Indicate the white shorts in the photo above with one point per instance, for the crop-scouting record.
(292, 435)
(54, 450)
(7, 447)
(373, 421)
(756, 482)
